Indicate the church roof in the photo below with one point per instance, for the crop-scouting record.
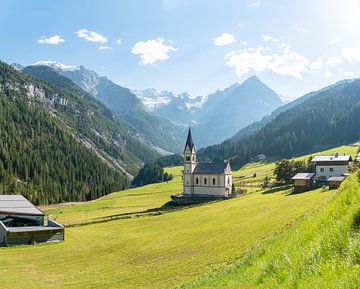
(211, 168)
(189, 141)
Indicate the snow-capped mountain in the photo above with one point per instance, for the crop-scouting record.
(161, 116)
(153, 99)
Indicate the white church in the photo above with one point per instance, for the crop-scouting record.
(203, 181)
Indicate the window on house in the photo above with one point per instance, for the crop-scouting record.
(197, 181)
(331, 169)
(214, 181)
(204, 181)
(322, 170)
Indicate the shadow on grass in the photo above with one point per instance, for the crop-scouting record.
(167, 207)
(276, 189)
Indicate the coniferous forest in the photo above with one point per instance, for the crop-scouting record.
(329, 118)
(59, 145)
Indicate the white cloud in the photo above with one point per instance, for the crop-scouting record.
(91, 36)
(268, 38)
(254, 3)
(248, 60)
(334, 61)
(224, 39)
(351, 54)
(328, 74)
(335, 40)
(119, 41)
(54, 40)
(316, 64)
(291, 63)
(349, 74)
(152, 50)
(242, 25)
(104, 47)
(288, 63)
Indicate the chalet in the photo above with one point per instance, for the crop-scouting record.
(203, 181)
(303, 182)
(23, 223)
(331, 166)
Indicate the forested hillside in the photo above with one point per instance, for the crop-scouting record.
(153, 129)
(60, 144)
(327, 118)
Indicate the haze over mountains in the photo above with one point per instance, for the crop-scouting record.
(162, 116)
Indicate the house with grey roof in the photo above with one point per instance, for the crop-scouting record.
(203, 181)
(331, 166)
(23, 223)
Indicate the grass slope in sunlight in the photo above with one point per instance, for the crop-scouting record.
(142, 199)
(156, 251)
(321, 252)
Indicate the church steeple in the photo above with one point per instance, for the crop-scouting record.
(189, 142)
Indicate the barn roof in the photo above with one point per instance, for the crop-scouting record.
(211, 168)
(18, 205)
(303, 176)
(332, 158)
(336, 179)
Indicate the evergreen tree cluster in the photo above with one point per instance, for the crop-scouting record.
(149, 174)
(330, 117)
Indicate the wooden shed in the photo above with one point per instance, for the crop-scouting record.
(23, 223)
(303, 181)
(335, 182)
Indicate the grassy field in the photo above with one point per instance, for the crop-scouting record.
(156, 196)
(156, 251)
(323, 251)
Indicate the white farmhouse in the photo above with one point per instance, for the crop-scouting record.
(331, 166)
(203, 180)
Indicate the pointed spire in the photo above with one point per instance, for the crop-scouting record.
(189, 141)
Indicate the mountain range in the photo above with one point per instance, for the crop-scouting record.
(325, 118)
(162, 117)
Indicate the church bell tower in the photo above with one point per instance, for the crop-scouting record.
(189, 164)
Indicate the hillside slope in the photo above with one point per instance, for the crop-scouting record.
(327, 118)
(60, 144)
(323, 251)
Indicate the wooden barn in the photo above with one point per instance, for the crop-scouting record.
(303, 182)
(23, 223)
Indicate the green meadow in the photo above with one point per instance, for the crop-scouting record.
(156, 245)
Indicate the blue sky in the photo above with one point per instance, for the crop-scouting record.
(197, 46)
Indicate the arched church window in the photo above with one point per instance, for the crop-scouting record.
(204, 181)
(214, 181)
(187, 158)
(197, 181)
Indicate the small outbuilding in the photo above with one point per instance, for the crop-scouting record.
(23, 223)
(303, 182)
(335, 182)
